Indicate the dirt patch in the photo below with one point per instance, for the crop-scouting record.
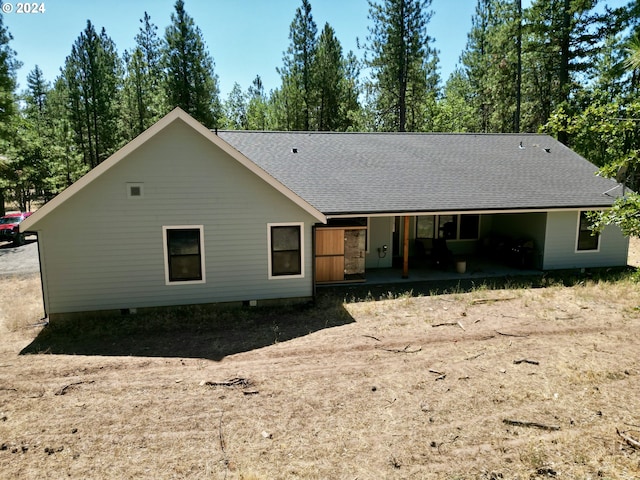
(490, 384)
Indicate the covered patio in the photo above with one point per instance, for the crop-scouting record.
(476, 268)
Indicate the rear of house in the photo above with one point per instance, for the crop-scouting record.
(182, 215)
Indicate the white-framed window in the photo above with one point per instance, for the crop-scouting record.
(586, 240)
(450, 227)
(183, 254)
(285, 249)
(135, 190)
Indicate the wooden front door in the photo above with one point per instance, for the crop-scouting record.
(329, 255)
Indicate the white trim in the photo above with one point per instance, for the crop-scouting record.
(591, 250)
(270, 276)
(132, 185)
(368, 239)
(167, 281)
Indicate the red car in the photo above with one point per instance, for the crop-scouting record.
(10, 230)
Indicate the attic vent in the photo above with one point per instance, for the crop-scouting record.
(548, 150)
(135, 190)
(521, 147)
(294, 150)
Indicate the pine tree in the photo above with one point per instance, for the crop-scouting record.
(142, 96)
(235, 108)
(563, 39)
(492, 65)
(401, 62)
(298, 76)
(93, 75)
(257, 109)
(190, 81)
(8, 67)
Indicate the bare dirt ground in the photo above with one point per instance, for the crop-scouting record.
(518, 383)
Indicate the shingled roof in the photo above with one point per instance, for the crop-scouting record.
(368, 173)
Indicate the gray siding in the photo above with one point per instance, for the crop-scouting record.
(104, 250)
(560, 245)
(380, 233)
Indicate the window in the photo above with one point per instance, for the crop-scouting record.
(450, 227)
(184, 254)
(426, 226)
(587, 241)
(286, 247)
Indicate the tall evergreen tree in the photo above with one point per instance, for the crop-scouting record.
(190, 81)
(235, 109)
(142, 96)
(8, 67)
(336, 84)
(491, 61)
(563, 39)
(401, 62)
(298, 75)
(93, 74)
(257, 109)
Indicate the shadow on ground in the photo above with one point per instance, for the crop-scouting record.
(200, 332)
(189, 332)
(11, 246)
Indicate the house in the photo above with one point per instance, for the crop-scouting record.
(183, 215)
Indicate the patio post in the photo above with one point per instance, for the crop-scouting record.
(405, 248)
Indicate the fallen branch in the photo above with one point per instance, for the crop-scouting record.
(449, 324)
(7, 389)
(436, 372)
(404, 350)
(233, 382)
(64, 389)
(371, 336)
(542, 426)
(510, 334)
(632, 442)
(479, 301)
(254, 392)
(524, 360)
(475, 356)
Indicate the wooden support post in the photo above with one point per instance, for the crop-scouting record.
(405, 249)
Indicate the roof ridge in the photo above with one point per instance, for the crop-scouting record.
(316, 132)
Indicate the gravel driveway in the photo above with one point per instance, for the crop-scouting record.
(22, 259)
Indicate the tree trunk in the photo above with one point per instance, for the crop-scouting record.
(563, 76)
(402, 74)
(519, 67)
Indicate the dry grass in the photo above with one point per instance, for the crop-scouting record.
(413, 387)
(20, 302)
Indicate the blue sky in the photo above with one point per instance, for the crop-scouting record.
(245, 37)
